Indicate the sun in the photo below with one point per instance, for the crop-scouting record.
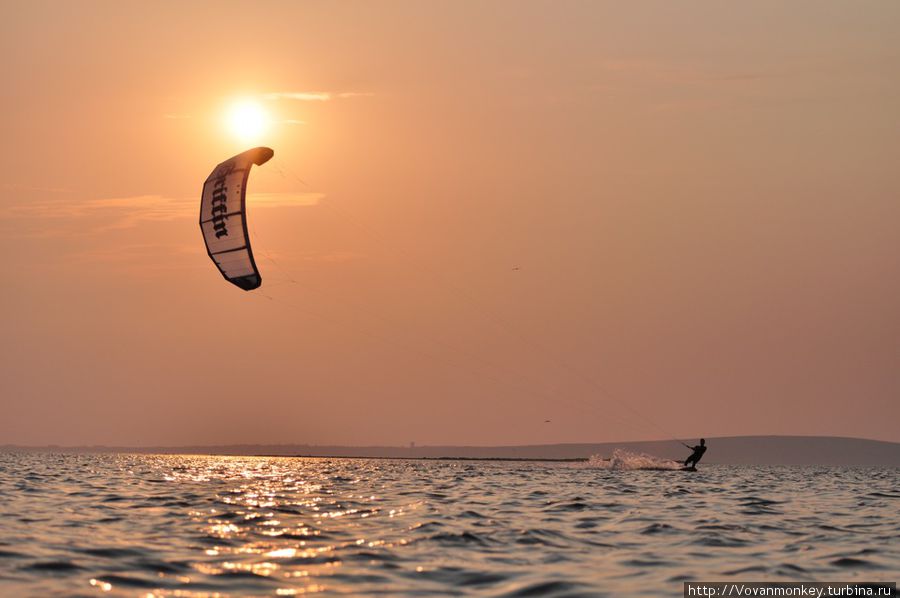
(247, 120)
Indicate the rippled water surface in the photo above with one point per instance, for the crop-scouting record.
(195, 525)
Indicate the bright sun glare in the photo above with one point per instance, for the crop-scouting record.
(247, 120)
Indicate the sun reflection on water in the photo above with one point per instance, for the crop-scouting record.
(266, 517)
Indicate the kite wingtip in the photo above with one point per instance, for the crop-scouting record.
(261, 155)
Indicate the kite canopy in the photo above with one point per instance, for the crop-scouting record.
(223, 218)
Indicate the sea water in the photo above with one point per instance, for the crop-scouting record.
(164, 525)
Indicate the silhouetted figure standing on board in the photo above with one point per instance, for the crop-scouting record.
(696, 455)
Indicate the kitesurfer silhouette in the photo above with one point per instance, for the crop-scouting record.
(696, 455)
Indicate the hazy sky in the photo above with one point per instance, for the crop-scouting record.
(635, 219)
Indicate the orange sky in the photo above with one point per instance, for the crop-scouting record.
(702, 200)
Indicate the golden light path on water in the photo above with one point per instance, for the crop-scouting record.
(254, 512)
(156, 526)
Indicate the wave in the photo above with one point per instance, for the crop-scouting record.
(261, 525)
(622, 460)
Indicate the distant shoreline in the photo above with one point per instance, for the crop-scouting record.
(731, 450)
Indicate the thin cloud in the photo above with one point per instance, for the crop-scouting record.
(177, 116)
(315, 96)
(144, 207)
(66, 217)
(284, 200)
(303, 96)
